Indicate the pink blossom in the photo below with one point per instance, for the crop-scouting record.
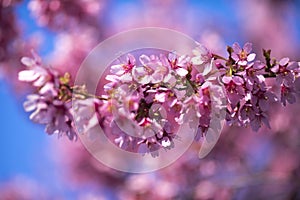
(144, 105)
(53, 113)
(121, 69)
(284, 71)
(46, 105)
(247, 113)
(179, 64)
(205, 112)
(153, 69)
(252, 74)
(242, 55)
(36, 73)
(287, 94)
(201, 55)
(259, 119)
(235, 89)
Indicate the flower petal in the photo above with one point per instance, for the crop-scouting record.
(238, 80)
(251, 57)
(27, 75)
(247, 47)
(144, 59)
(207, 69)
(197, 60)
(29, 62)
(284, 61)
(181, 72)
(161, 97)
(117, 69)
(226, 79)
(236, 48)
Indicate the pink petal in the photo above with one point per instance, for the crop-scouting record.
(235, 57)
(284, 61)
(144, 80)
(181, 72)
(36, 57)
(207, 69)
(27, 61)
(130, 59)
(40, 81)
(144, 60)
(157, 77)
(172, 103)
(27, 75)
(29, 105)
(182, 60)
(226, 79)
(126, 77)
(137, 72)
(143, 148)
(117, 69)
(242, 62)
(236, 47)
(161, 97)
(292, 66)
(258, 65)
(275, 68)
(248, 47)
(172, 56)
(197, 60)
(112, 78)
(238, 80)
(251, 57)
(48, 87)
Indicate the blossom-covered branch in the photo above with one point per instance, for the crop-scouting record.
(248, 94)
(147, 99)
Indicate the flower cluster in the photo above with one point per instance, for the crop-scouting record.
(244, 79)
(146, 100)
(50, 103)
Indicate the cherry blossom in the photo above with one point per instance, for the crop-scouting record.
(284, 71)
(144, 103)
(242, 55)
(235, 89)
(49, 105)
(288, 94)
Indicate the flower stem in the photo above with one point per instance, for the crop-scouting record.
(83, 93)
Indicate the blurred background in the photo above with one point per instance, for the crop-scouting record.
(243, 165)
